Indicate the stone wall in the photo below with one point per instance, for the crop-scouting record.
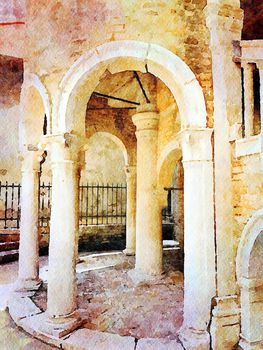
(247, 189)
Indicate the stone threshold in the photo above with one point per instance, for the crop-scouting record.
(34, 321)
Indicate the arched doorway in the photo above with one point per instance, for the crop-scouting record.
(250, 278)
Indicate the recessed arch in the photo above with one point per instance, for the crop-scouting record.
(167, 159)
(249, 235)
(118, 142)
(127, 55)
(34, 106)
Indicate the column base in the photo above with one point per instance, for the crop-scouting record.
(225, 325)
(139, 276)
(61, 326)
(129, 252)
(27, 285)
(246, 344)
(193, 339)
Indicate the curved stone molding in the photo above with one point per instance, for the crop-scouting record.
(134, 55)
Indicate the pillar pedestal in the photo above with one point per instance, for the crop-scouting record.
(149, 250)
(130, 210)
(28, 274)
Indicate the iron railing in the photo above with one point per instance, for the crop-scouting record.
(9, 205)
(98, 204)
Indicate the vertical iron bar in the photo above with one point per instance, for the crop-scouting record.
(6, 197)
(87, 203)
(92, 204)
(107, 205)
(18, 206)
(12, 203)
(97, 204)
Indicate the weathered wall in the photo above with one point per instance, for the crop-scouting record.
(247, 189)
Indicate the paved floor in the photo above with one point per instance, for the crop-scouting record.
(11, 338)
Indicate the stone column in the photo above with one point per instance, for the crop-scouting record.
(199, 247)
(130, 210)
(64, 225)
(28, 274)
(251, 314)
(148, 211)
(248, 98)
(224, 20)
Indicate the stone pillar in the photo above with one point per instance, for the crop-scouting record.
(149, 254)
(28, 274)
(199, 248)
(251, 314)
(64, 225)
(130, 210)
(225, 20)
(248, 98)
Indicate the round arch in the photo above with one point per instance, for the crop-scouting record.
(35, 103)
(169, 155)
(249, 235)
(114, 139)
(124, 55)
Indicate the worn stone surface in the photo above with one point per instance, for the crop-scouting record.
(110, 301)
(158, 344)
(85, 339)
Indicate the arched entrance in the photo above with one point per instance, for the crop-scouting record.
(250, 278)
(65, 146)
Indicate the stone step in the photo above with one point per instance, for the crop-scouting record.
(5, 246)
(8, 256)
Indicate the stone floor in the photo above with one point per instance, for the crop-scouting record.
(12, 338)
(116, 303)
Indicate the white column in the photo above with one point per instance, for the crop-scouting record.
(199, 248)
(130, 210)
(63, 229)
(28, 274)
(251, 314)
(148, 211)
(248, 98)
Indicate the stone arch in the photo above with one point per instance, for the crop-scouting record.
(250, 278)
(114, 139)
(249, 235)
(124, 55)
(35, 104)
(167, 159)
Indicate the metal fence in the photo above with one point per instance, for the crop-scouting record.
(9, 205)
(98, 204)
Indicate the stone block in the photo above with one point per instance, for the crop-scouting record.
(158, 344)
(21, 307)
(85, 339)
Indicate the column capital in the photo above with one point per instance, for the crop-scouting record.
(196, 144)
(146, 121)
(31, 160)
(247, 64)
(63, 147)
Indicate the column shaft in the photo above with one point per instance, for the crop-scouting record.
(148, 210)
(63, 238)
(249, 99)
(199, 248)
(28, 275)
